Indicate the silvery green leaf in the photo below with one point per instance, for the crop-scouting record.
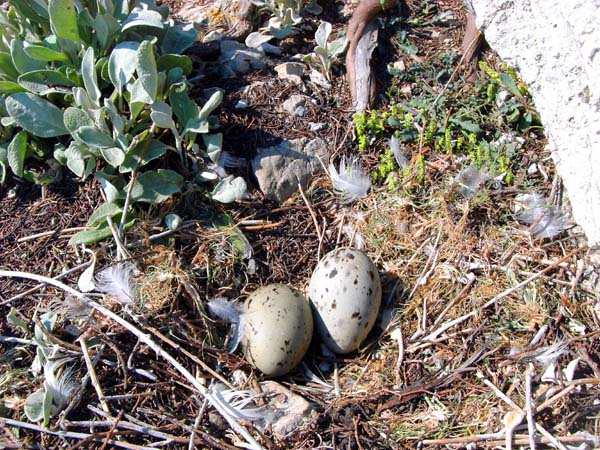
(196, 126)
(281, 33)
(7, 68)
(10, 87)
(94, 137)
(76, 164)
(121, 65)
(162, 115)
(21, 60)
(178, 38)
(112, 193)
(106, 27)
(48, 320)
(142, 154)
(146, 70)
(44, 82)
(8, 122)
(106, 6)
(17, 149)
(256, 39)
(102, 212)
(42, 53)
(12, 318)
(183, 106)
(63, 18)
(118, 122)
(143, 17)
(75, 118)
(86, 279)
(90, 167)
(91, 236)
(322, 34)
(213, 102)
(172, 221)
(167, 62)
(82, 98)
(36, 115)
(338, 46)
(113, 156)
(90, 78)
(156, 186)
(230, 189)
(294, 17)
(214, 144)
(34, 406)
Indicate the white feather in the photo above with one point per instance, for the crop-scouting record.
(118, 281)
(546, 220)
(401, 158)
(236, 402)
(232, 312)
(470, 180)
(350, 181)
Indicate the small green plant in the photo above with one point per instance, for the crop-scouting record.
(101, 88)
(285, 14)
(368, 127)
(385, 170)
(326, 53)
(512, 97)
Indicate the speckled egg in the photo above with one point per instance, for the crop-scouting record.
(345, 295)
(278, 328)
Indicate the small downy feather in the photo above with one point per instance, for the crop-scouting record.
(118, 281)
(546, 220)
(236, 402)
(232, 312)
(399, 155)
(470, 180)
(350, 181)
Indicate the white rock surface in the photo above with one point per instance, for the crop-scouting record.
(279, 169)
(295, 105)
(555, 46)
(292, 71)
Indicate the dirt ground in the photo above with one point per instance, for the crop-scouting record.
(414, 383)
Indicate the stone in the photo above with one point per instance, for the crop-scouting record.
(279, 169)
(237, 59)
(287, 411)
(319, 79)
(555, 47)
(291, 71)
(241, 105)
(295, 105)
(317, 126)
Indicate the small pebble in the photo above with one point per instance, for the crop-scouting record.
(241, 105)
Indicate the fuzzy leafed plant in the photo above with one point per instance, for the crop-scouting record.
(100, 87)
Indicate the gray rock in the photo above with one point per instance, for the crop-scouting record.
(237, 59)
(319, 79)
(287, 411)
(317, 126)
(295, 105)
(279, 169)
(241, 105)
(555, 46)
(291, 71)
